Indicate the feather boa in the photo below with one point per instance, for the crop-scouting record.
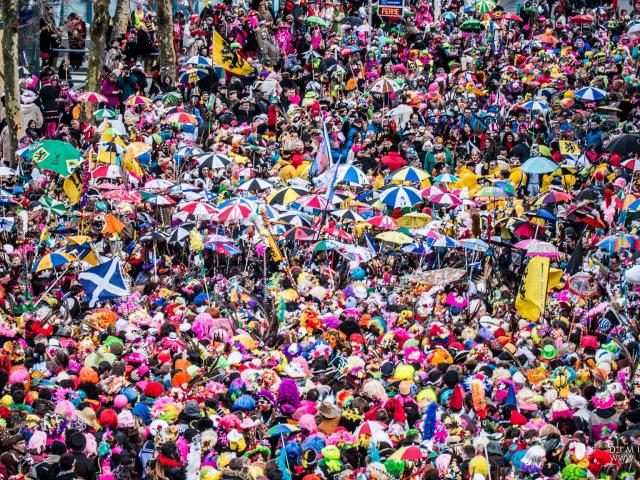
(281, 461)
(429, 424)
(477, 397)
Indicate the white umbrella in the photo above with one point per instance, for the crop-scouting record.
(384, 85)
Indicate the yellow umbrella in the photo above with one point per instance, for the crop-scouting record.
(79, 239)
(413, 220)
(394, 237)
(138, 148)
(53, 260)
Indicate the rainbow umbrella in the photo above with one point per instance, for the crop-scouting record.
(619, 242)
(135, 100)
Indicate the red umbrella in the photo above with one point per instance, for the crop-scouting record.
(581, 19)
(299, 234)
(338, 233)
(393, 161)
(383, 221)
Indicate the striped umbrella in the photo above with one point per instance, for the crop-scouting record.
(198, 60)
(198, 209)
(446, 178)
(383, 86)
(351, 175)
(400, 196)
(52, 260)
(591, 93)
(408, 174)
(445, 199)
(299, 234)
(106, 171)
(632, 164)
(192, 76)
(315, 201)
(347, 215)
(234, 213)
(535, 105)
(92, 97)
(181, 118)
(384, 222)
(297, 219)
(484, 6)
(213, 161)
(285, 196)
(222, 248)
(52, 206)
(135, 100)
(104, 113)
(255, 185)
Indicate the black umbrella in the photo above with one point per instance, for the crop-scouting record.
(624, 144)
(153, 235)
(353, 21)
(587, 194)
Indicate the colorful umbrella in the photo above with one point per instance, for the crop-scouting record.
(484, 6)
(535, 105)
(299, 234)
(92, 97)
(52, 260)
(313, 20)
(107, 171)
(401, 196)
(384, 86)
(314, 201)
(52, 206)
(591, 93)
(56, 156)
(234, 212)
(135, 100)
(384, 222)
(198, 209)
(445, 199)
(351, 175)
(472, 25)
(222, 248)
(285, 196)
(410, 453)
(198, 60)
(103, 113)
(213, 161)
(192, 76)
(538, 248)
(181, 118)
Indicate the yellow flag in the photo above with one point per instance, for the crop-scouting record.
(555, 278)
(131, 164)
(228, 58)
(73, 187)
(532, 295)
(569, 148)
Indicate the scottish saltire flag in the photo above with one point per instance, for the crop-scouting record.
(104, 282)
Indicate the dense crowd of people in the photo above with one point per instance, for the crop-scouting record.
(331, 245)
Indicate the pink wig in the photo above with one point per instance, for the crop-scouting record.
(308, 422)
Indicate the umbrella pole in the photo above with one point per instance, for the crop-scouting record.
(55, 282)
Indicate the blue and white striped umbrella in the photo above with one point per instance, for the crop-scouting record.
(351, 175)
(401, 196)
(535, 105)
(198, 60)
(591, 93)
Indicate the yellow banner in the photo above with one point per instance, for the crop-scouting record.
(532, 295)
(569, 148)
(228, 58)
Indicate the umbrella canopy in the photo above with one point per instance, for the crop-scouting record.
(213, 161)
(56, 156)
(408, 174)
(446, 178)
(313, 20)
(384, 86)
(299, 234)
(581, 19)
(314, 201)
(255, 185)
(107, 171)
(539, 248)
(414, 220)
(192, 76)
(52, 206)
(535, 105)
(398, 238)
(52, 260)
(484, 6)
(103, 113)
(591, 93)
(92, 97)
(538, 165)
(181, 118)
(348, 215)
(198, 60)
(234, 212)
(285, 196)
(624, 144)
(401, 196)
(472, 25)
(135, 100)
(198, 209)
(384, 222)
(351, 175)
(282, 429)
(447, 199)
(410, 453)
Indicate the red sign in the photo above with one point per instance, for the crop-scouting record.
(390, 11)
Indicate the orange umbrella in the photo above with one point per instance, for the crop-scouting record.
(112, 224)
(547, 37)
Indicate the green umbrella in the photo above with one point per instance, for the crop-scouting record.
(52, 206)
(104, 113)
(472, 25)
(171, 98)
(56, 156)
(484, 6)
(316, 21)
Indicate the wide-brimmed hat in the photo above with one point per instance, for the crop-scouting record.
(88, 416)
(328, 410)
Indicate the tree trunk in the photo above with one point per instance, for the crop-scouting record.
(11, 85)
(121, 18)
(166, 47)
(98, 33)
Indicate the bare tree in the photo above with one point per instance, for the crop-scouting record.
(99, 27)
(166, 47)
(11, 84)
(120, 18)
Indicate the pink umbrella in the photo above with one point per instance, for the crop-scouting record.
(539, 248)
(432, 191)
(315, 201)
(121, 195)
(107, 171)
(446, 199)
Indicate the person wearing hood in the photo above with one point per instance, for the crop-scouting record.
(30, 110)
